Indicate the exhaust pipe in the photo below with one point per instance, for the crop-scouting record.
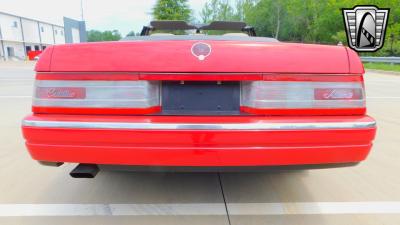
(84, 171)
(54, 164)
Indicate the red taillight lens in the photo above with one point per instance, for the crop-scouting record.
(96, 97)
(268, 94)
(303, 97)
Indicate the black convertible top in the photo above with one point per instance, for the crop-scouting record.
(182, 25)
(199, 37)
(171, 25)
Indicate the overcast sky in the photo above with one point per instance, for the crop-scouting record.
(124, 15)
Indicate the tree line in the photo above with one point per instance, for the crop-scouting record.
(308, 21)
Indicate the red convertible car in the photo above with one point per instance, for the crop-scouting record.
(197, 101)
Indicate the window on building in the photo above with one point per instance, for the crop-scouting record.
(43, 48)
(37, 48)
(42, 29)
(10, 52)
(15, 24)
(28, 49)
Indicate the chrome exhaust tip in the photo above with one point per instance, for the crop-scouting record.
(84, 171)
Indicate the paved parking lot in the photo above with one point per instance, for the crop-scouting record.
(366, 194)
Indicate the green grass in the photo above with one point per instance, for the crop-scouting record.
(382, 66)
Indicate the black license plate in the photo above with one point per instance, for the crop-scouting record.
(200, 98)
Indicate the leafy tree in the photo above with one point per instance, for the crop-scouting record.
(268, 17)
(340, 37)
(222, 10)
(310, 21)
(172, 10)
(132, 34)
(217, 10)
(243, 8)
(95, 35)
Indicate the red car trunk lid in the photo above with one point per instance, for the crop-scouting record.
(176, 56)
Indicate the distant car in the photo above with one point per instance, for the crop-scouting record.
(198, 101)
(34, 55)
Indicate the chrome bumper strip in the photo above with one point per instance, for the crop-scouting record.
(198, 126)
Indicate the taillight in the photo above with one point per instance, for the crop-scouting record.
(303, 97)
(264, 94)
(96, 97)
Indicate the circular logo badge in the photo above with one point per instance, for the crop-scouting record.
(201, 50)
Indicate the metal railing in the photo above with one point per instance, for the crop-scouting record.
(391, 60)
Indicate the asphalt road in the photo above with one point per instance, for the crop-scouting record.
(366, 194)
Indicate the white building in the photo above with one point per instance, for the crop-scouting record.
(19, 35)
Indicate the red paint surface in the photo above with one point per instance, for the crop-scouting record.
(201, 76)
(313, 77)
(176, 56)
(119, 76)
(87, 76)
(355, 64)
(199, 147)
(43, 64)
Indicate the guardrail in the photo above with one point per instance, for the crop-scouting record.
(391, 60)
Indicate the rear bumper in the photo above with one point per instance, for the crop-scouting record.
(199, 141)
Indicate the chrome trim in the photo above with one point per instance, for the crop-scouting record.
(198, 126)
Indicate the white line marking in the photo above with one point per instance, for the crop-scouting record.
(305, 208)
(202, 209)
(168, 209)
(110, 209)
(382, 97)
(22, 79)
(16, 96)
